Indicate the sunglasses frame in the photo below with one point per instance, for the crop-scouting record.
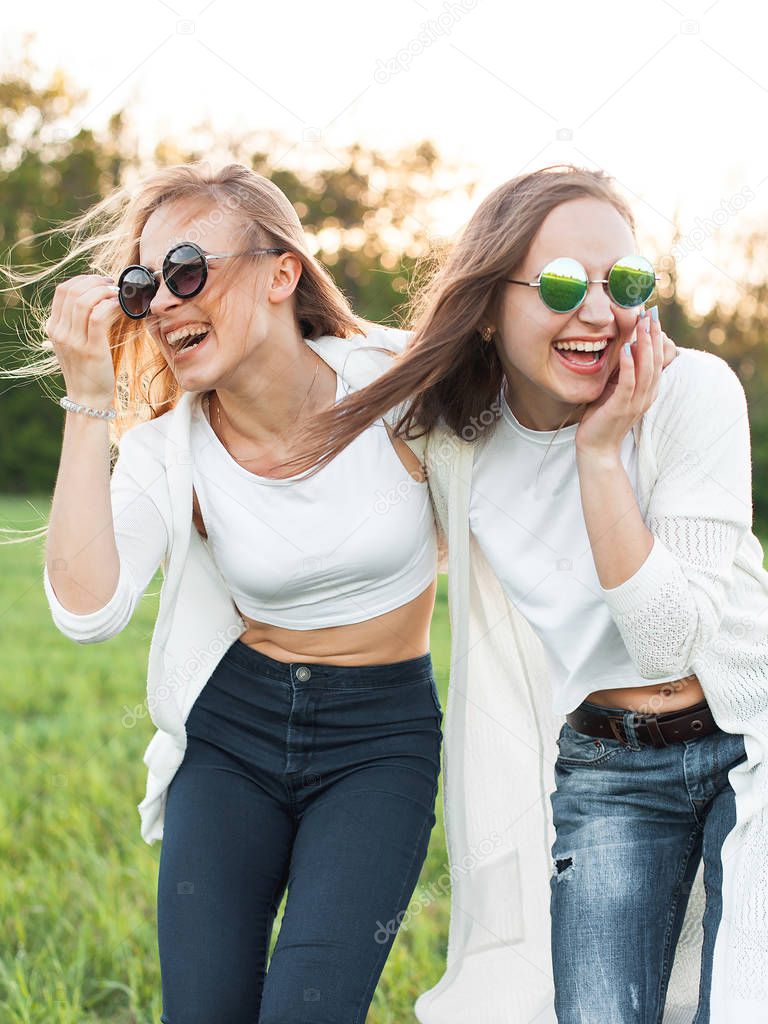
(588, 282)
(155, 274)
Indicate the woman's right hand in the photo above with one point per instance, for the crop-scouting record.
(83, 310)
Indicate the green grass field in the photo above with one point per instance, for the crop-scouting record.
(77, 882)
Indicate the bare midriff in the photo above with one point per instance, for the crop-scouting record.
(654, 699)
(397, 635)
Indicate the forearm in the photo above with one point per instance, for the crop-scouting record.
(81, 553)
(665, 603)
(636, 573)
(618, 536)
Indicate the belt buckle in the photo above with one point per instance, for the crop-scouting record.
(617, 728)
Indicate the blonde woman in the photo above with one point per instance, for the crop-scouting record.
(607, 595)
(290, 680)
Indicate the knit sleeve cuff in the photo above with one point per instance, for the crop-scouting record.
(91, 626)
(640, 590)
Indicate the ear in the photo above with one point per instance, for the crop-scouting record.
(285, 277)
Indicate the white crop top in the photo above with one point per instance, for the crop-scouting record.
(526, 514)
(353, 541)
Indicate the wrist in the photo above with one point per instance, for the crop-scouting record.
(605, 459)
(88, 409)
(91, 401)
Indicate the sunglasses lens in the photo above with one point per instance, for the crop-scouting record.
(136, 289)
(563, 284)
(184, 270)
(631, 281)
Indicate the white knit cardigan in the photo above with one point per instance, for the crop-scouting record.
(699, 603)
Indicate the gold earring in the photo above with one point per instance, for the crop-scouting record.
(487, 333)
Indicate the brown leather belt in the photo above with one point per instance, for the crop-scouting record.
(656, 730)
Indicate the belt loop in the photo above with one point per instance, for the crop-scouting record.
(628, 721)
(654, 731)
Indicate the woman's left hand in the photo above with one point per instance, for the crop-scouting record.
(629, 392)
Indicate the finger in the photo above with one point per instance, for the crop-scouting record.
(657, 343)
(48, 344)
(625, 385)
(73, 287)
(58, 321)
(645, 356)
(56, 304)
(103, 312)
(671, 350)
(658, 360)
(654, 335)
(633, 337)
(81, 303)
(658, 339)
(68, 292)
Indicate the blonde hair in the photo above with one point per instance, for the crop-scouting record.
(107, 237)
(447, 371)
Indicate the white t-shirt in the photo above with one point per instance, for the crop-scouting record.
(352, 542)
(526, 513)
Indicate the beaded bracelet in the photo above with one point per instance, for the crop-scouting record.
(106, 414)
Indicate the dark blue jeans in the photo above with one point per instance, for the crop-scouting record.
(633, 824)
(321, 778)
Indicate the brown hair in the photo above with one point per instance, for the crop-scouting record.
(447, 371)
(107, 237)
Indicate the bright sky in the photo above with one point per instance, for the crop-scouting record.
(668, 98)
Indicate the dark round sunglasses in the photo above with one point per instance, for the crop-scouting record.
(563, 283)
(185, 271)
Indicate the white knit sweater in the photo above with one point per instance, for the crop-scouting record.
(699, 603)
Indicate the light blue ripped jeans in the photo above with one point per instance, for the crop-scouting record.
(632, 824)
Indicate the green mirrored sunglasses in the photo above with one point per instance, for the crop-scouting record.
(563, 283)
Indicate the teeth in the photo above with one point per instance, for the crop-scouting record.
(187, 331)
(581, 346)
(592, 362)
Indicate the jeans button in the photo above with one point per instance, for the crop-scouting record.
(303, 673)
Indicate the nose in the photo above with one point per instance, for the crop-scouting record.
(163, 300)
(596, 307)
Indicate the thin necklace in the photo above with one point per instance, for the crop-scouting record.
(218, 413)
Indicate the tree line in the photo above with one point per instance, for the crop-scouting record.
(368, 215)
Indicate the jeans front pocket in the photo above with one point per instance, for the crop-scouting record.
(577, 748)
